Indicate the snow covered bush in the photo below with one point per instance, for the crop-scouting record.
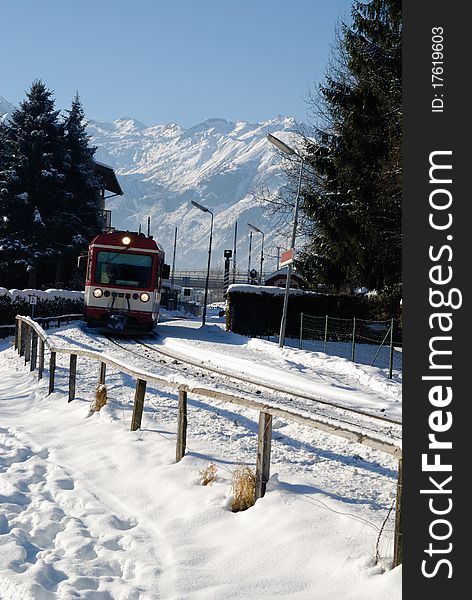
(256, 310)
(50, 303)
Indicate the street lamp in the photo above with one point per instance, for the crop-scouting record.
(207, 210)
(280, 145)
(173, 260)
(249, 259)
(254, 228)
(289, 151)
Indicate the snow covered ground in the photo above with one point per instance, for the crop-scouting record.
(91, 510)
(330, 377)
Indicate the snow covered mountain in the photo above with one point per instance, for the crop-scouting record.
(5, 108)
(222, 165)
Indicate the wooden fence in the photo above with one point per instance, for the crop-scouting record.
(8, 330)
(31, 342)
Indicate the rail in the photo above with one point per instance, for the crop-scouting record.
(9, 329)
(31, 341)
(273, 387)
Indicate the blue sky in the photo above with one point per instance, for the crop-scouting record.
(176, 61)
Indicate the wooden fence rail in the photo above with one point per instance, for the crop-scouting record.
(8, 330)
(29, 335)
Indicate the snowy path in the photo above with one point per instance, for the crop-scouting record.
(90, 510)
(69, 536)
(62, 533)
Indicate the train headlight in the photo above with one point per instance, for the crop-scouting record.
(126, 241)
(97, 292)
(144, 297)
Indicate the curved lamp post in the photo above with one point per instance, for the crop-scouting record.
(254, 228)
(249, 259)
(207, 210)
(289, 151)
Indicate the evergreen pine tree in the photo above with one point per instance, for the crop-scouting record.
(81, 216)
(355, 200)
(49, 194)
(31, 186)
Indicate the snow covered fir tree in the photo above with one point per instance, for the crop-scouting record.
(352, 188)
(49, 193)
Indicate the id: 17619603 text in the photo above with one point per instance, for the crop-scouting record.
(437, 69)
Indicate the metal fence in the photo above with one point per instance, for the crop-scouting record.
(191, 308)
(376, 343)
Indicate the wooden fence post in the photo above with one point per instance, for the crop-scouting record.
(390, 370)
(353, 349)
(21, 349)
(263, 453)
(138, 404)
(27, 334)
(181, 427)
(398, 545)
(17, 333)
(72, 376)
(325, 334)
(52, 371)
(300, 345)
(34, 349)
(102, 369)
(41, 359)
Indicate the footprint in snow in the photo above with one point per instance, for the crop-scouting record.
(57, 539)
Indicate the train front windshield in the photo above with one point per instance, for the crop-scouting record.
(121, 268)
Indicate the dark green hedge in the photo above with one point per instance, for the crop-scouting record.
(44, 308)
(259, 314)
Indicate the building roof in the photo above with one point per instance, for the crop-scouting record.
(246, 288)
(283, 273)
(108, 176)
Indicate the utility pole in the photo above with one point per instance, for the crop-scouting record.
(205, 301)
(227, 255)
(234, 251)
(249, 261)
(173, 258)
(289, 151)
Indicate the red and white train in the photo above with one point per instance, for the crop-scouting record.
(123, 281)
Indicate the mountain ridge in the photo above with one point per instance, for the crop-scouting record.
(223, 164)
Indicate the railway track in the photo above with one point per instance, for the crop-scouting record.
(273, 388)
(168, 361)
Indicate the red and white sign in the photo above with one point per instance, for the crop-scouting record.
(287, 257)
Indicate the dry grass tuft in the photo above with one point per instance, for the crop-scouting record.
(100, 397)
(208, 475)
(244, 488)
